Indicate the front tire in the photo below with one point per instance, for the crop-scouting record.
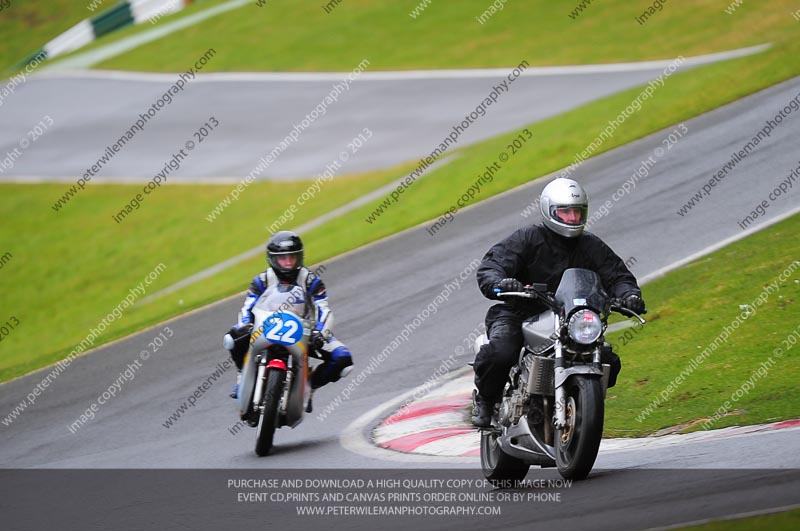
(269, 415)
(577, 444)
(497, 465)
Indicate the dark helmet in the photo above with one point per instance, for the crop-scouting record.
(284, 243)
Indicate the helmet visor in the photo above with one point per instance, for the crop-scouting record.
(287, 261)
(574, 215)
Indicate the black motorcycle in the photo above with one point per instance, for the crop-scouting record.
(551, 411)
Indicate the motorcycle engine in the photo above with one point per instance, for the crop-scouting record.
(513, 407)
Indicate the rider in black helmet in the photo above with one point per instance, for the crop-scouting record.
(285, 255)
(285, 259)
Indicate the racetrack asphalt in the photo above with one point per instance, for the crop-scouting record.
(378, 290)
(407, 113)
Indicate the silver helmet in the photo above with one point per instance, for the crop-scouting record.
(565, 207)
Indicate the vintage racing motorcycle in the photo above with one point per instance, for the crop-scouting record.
(551, 411)
(275, 375)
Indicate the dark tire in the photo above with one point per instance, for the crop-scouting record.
(497, 465)
(577, 445)
(269, 417)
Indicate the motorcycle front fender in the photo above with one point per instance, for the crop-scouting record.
(562, 377)
(563, 374)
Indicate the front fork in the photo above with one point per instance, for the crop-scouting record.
(560, 419)
(287, 386)
(261, 378)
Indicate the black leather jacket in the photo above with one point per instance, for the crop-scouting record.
(537, 254)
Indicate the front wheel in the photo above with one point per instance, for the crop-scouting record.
(269, 415)
(577, 444)
(497, 465)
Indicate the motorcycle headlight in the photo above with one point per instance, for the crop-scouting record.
(585, 327)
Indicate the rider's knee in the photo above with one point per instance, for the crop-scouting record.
(503, 351)
(331, 371)
(341, 359)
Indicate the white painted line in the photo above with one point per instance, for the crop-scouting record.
(719, 245)
(305, 227)
(61, 70)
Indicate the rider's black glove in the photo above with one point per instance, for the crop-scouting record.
(240, 331)
(634, 303)
(509, 284)
(316, 339)
(239, 341)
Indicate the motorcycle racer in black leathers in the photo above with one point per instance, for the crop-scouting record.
(541, 254)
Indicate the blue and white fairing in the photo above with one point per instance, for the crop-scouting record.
(282, 318)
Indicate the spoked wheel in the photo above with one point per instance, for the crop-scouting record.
(269, 415)
(577, 444)
(495, 463)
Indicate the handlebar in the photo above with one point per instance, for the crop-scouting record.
(616, 306)
(533, 293)
(523, 294)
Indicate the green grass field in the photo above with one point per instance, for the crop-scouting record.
(688, 310)
(289, 36)
(94, 261)
(81, 246)
(785, 521)
(286, 35)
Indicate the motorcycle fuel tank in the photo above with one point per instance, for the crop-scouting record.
(538, 329)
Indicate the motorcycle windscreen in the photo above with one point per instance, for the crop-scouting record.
(283, 298)
(580, 288)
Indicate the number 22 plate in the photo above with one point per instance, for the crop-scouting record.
(283, 329)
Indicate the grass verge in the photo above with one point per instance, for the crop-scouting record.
(785, 521)
(286, 35)
(94, 262)
(689, 310)
(68, 270)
